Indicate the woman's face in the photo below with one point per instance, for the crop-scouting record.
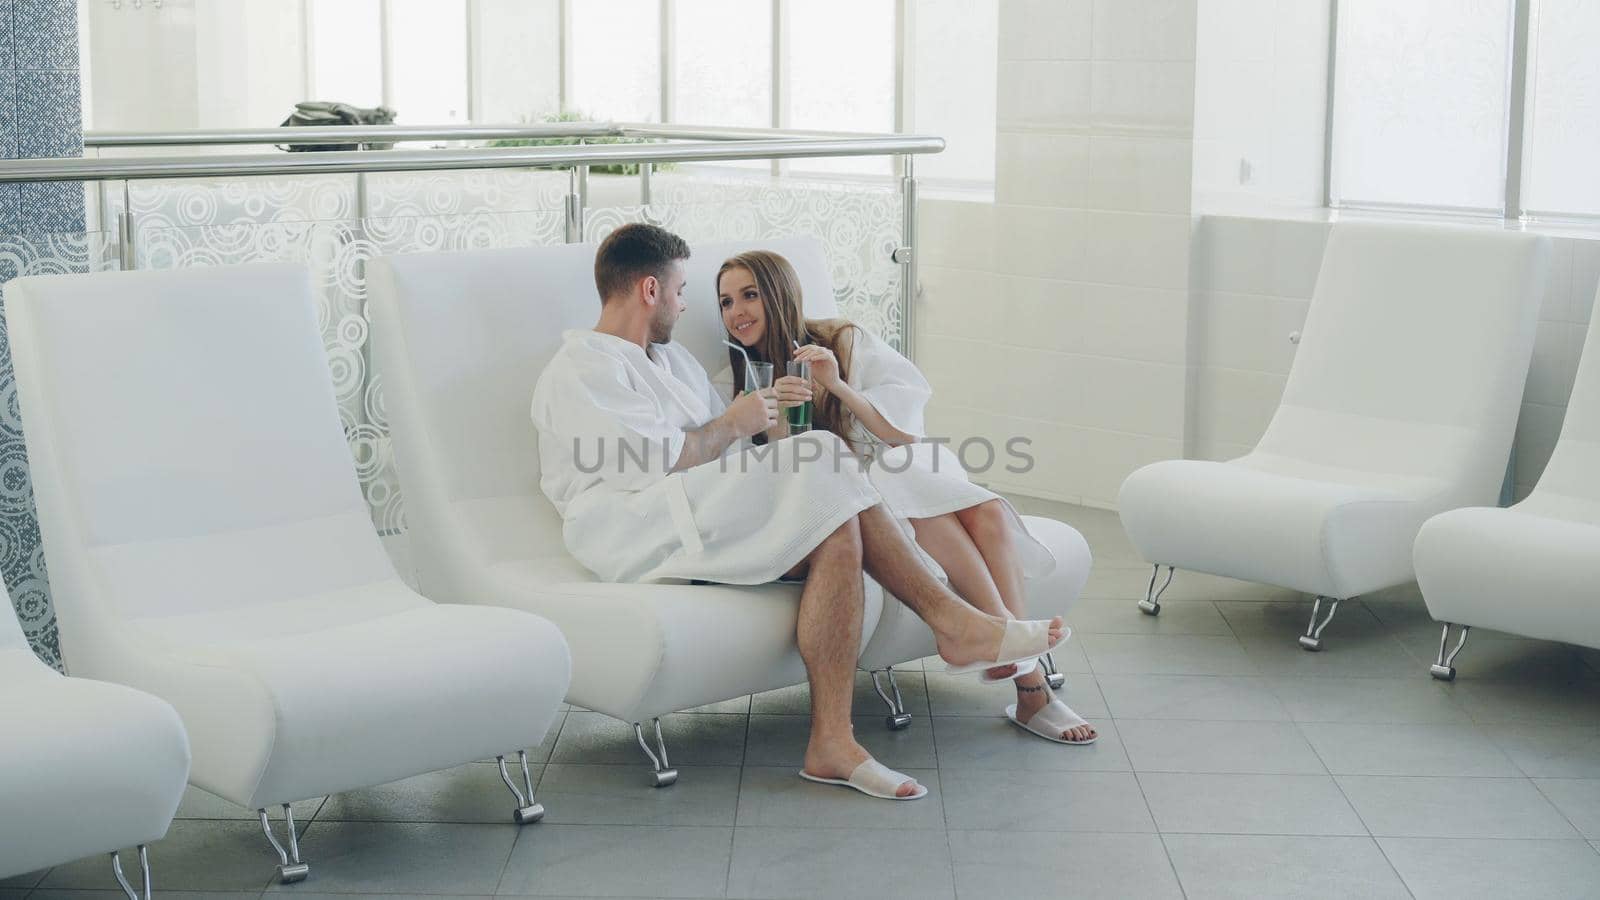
(740, 301)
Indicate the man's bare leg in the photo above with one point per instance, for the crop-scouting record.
(829, 633)
(963, 634)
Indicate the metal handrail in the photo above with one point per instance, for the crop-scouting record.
(354, 161)
(379, 134)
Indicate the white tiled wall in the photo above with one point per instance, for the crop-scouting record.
(1253, 279)
(1060, 312)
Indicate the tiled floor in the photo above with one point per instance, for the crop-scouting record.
(1231, 764)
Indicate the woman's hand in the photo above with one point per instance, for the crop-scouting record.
(791, 391)
(824, 366)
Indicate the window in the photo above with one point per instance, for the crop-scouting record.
(1421, 103)
(1561, 140)
(914, 65)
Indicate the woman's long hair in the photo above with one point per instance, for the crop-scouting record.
(779, 286)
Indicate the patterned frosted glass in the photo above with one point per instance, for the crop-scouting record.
(616, 59)
(1420, 102)
(428, 48)
(841, 74)
(1562, 142)
(346, 52)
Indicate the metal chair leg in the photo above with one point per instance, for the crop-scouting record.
(662, 773)
(527, 811)
(144, 872)
(1052, 676)
(1444, 667)
(897, 718)
(290, 868)
(1151, 604)
(1312, 639)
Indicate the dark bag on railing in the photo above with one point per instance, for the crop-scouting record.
(320, 113)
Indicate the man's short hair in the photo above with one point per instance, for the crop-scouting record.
(633, 252)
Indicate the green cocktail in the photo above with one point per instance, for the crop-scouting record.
(800, 416)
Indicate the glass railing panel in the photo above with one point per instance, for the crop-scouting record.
(21, 553)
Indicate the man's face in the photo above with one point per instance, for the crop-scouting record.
(669, 302)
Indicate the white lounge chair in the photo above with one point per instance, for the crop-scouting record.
(1532, 569)
(1401, 404)
(208, 543)
(85, 767)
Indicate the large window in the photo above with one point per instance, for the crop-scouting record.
(1485, 106)
(826, 65)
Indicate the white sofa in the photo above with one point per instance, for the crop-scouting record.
(208, 543)
(460, 340)
(1532, 569)
(1401, 404)
(85, 767)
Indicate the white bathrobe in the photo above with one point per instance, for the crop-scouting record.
(918, 480)
(604, 405)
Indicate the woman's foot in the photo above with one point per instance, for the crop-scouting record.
(977, 638)
(1033, 695)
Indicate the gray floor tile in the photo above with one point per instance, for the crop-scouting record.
(1454, 807)
(16, 893)
(619, 860)
(1408, 700)
(1177, 745)
(1551, 751)
(738, 706)
(840, 862)
(623, 795)
(1289, 618)
(1005, 800)
(1249, 804)
(796, 699)
(693, 739)
(1213, 697)
(196, 855)
(1545, 701)
(965, 695)
(1020, 864)
(394, 857)
(155, 887)
(966, 742)
(1578, 799)
(1128, 580)
(1177, 654)
(1453, 869)
(781, 741)
(199, 804)
(1120, 616)
(23, 882)
(1343, 656)
(777, 797)
(1227, 866)
(469, 793)
(1458, 750)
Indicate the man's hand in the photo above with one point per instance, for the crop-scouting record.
(753, 413)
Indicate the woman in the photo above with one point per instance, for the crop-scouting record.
(865, 392)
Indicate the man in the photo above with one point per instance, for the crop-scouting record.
(632, 440)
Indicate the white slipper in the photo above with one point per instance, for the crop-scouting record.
(1051, 721)
(874, 779)
(1024, 639)
(1023, 668)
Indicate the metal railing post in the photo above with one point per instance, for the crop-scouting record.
(574, 204)
(906, 256)
(125, 237)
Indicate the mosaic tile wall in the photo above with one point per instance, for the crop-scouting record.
(41, 230)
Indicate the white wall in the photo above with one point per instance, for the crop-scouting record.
(1253, 282)
(1060, 311)
(1261, 83)
(517, 47)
